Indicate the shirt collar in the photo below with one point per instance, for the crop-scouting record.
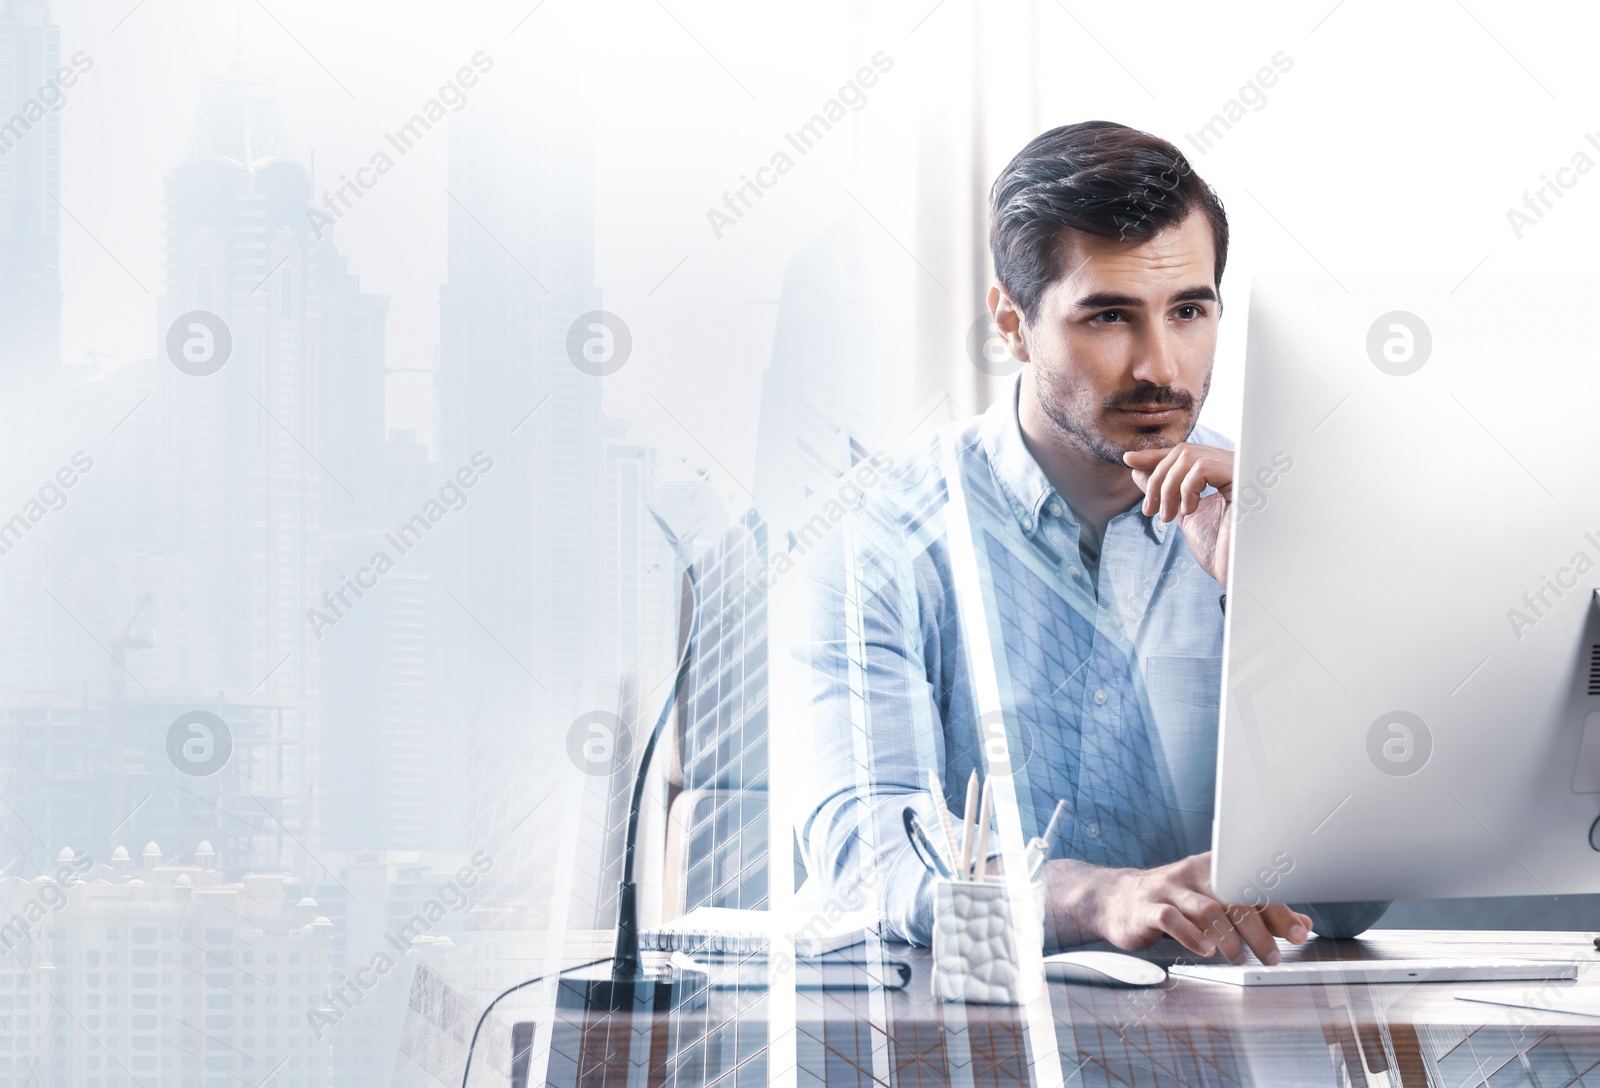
(1027, 489)
(1023, 482)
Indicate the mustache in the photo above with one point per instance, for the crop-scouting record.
(1150, 396)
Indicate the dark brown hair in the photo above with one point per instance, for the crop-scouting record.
(1097, 177)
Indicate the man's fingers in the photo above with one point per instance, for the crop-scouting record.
(1175, 924)
(1213, 921)
(1286, 923)
(1172, 486)
(1247, 921)
(1151, 483)
(1194, 482)
(1157, 480)
(1173, 478)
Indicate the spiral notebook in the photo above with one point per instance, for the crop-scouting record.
(725, 929)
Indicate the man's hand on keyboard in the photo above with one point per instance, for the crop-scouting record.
(1134, 908)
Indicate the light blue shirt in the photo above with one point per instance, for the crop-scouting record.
(1108, 702)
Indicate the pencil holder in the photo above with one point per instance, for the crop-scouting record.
(977, 943)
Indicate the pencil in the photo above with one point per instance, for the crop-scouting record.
(969, 822)
(980, 864)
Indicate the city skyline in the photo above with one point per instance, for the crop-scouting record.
(209, 683)
(350, 663)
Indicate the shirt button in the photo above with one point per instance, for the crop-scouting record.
(1075, 572)
(1055, 509)
(1027, 525)
(1100, 697)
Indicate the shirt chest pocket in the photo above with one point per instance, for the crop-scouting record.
(1196, 681)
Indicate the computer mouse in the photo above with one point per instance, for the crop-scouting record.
(1103, 969)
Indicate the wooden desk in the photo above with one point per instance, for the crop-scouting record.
(1186, 1033)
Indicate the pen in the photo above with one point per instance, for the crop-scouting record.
(1039, 848)
(944, 816)
(1053, 828)
(923, 845)
(1037, 851)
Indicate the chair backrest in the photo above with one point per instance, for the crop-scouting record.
(716, 848)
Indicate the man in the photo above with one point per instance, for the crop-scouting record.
(1097, 512)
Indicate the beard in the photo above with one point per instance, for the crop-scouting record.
(1076, 414)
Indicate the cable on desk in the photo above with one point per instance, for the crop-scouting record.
(626, 926)
(467, 1069)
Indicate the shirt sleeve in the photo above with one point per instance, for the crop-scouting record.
(868, 710)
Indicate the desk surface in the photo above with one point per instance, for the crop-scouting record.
(1186, 1033)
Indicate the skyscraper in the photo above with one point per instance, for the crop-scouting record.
(517, 585)
(373, 780)
(349, 327)
(30, 159)
(272, 409)
(194, 574)
(239, 493)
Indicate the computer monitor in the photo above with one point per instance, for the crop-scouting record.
(1411, 696)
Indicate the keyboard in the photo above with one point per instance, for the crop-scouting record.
(1324, 972)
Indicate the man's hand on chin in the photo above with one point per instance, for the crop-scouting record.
(1134, 908)
(1172, 479)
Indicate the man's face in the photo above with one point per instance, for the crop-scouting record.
(1121, 345)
